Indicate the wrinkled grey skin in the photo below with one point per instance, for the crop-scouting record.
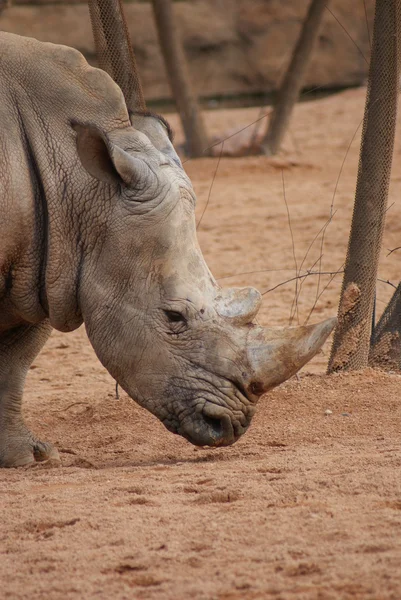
(97, 226)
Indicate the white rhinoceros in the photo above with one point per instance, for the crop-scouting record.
(97, 227)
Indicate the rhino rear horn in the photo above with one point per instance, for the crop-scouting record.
(240, 305)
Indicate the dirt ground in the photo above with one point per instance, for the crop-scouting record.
(307, 505)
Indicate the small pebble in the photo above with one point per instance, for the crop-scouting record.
(345, 415)
(328, 412)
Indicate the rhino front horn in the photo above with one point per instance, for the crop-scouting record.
(277, 354)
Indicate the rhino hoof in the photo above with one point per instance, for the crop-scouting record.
(30, 454)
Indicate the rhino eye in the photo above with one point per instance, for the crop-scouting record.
(174, 316)
(177, 322)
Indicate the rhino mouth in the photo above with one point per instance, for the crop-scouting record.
(213, 426)
(206, 414)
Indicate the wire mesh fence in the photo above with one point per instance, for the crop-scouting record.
(351, 344)
(385, 347)
(114, 50)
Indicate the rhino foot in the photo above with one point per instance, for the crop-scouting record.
(18, 348)
(25, 450)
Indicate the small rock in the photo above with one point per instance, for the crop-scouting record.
(345, 415)
(328, 412)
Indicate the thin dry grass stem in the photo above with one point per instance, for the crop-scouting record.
(314, 265)
(331, 215)
(293, 249)
(308, 270)
(211, 185)
(346, 32)
(252, 273)
(325, 226)
(318, 295)
(367, 25)
(387, 281)
(333, 275)
(393, 250)
(391, 206)
(342, 166)
(307, 274)
(309, 249)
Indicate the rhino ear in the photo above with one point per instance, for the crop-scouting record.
(158, 131)
(102, 159)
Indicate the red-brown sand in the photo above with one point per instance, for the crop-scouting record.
(307, 505)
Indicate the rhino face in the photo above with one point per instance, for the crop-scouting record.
(183, 348)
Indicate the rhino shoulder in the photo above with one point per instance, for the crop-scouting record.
(48, 70)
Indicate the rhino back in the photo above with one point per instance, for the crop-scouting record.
(43, 87)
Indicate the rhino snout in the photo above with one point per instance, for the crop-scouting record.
(215, 426)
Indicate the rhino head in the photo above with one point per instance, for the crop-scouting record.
(182, 347)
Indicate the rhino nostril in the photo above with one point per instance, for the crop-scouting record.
(215, 424)
(220, 427)
(256, 388)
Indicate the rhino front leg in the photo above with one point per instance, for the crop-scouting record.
(18, 348)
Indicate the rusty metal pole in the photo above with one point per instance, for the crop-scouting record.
(179, 79)
(352, 338)
(290, 88)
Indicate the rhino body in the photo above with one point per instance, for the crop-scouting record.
(97, 227)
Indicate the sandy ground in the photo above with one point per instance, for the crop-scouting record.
(306, 505)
